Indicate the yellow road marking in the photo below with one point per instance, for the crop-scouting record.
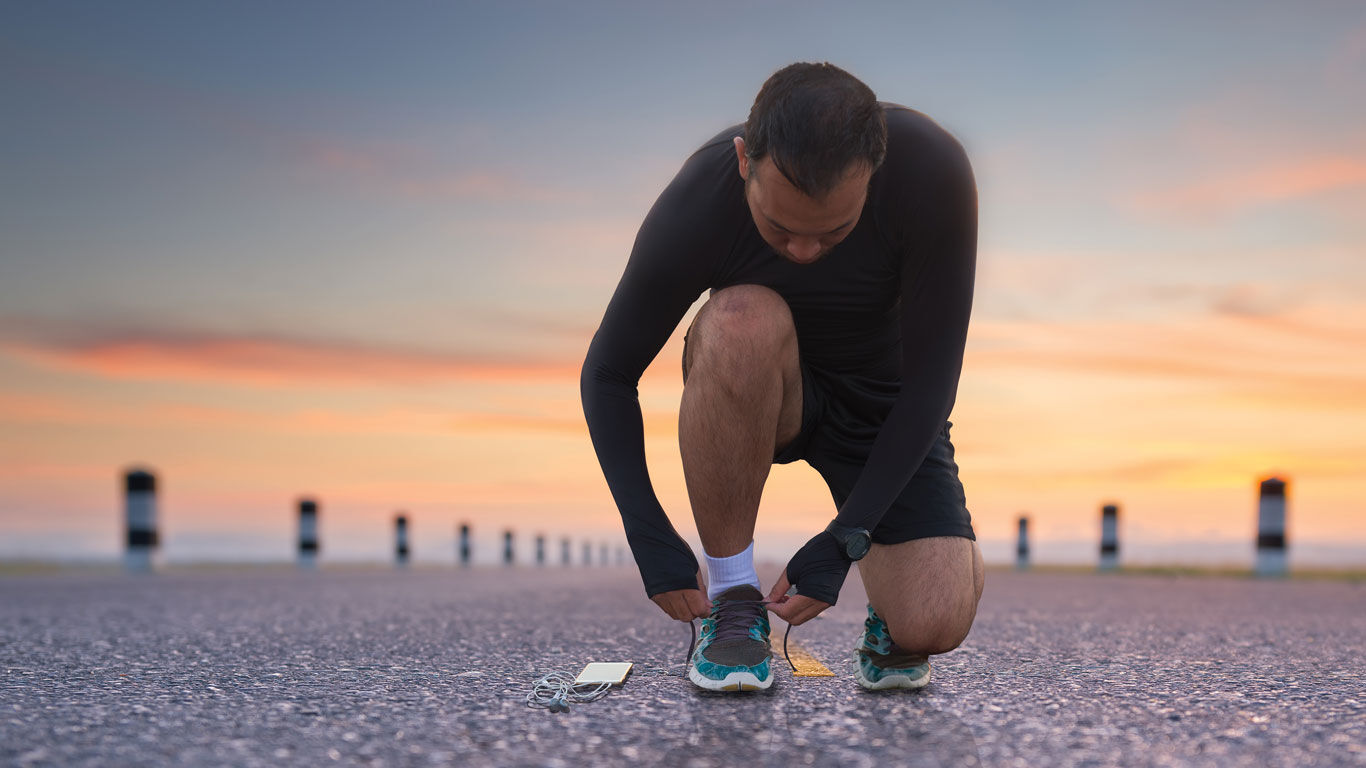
(806, 664)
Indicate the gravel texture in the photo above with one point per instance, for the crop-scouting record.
(431, 667)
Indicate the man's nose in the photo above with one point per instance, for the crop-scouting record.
(804, 249)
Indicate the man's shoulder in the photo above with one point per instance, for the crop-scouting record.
(701, 207)
(921, 157)
(911, 132)
(707, 184)
(723, 140)
(716, 154)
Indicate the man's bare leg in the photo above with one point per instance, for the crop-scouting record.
(926, 590)
(742, 402)
(741, 399)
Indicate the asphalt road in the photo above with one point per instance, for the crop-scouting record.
(432, 667)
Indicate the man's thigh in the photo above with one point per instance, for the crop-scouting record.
(925, 589)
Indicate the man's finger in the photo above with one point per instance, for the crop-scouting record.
(684, 604)
(677, 604)
(779, 592)
(698, 607)
(799, 609)
(786, 611)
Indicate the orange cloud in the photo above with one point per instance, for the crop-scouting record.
(273, 362)
(48, 410)
(1269, 383)
(1286, 180)
(1310, 347)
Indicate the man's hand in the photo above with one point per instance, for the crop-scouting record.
(818, 570)
(685, 604)
(794, 609)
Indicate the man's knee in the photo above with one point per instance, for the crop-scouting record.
(739, 324)
(929, 633)
(926, 590)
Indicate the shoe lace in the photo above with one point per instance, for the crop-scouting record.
(729, 619)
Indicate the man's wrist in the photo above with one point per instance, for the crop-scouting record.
(853, 542)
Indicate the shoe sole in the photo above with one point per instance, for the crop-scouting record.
(889, 682)
(735, 681)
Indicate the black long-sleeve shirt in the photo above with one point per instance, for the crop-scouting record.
(887, 307)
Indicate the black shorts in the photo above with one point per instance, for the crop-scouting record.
(841, 417)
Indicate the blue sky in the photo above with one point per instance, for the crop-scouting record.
(177, 147)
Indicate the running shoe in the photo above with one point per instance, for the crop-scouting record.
(732, 653)
(877, 665)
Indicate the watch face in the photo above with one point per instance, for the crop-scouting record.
(858, 545)
(855, 542)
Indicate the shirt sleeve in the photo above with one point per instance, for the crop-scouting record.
(671, 264)
(936, 302)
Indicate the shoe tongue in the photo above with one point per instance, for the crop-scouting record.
(742, 592)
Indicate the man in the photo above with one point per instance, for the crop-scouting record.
(837, 236)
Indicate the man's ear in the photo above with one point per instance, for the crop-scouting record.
(741, 160)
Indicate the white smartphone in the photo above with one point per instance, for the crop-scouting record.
(604, 672)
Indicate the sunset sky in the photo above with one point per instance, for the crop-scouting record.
(357, 251)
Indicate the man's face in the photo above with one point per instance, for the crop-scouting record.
(799, 228)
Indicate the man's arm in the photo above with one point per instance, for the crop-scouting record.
(936, 302)
(670, 265)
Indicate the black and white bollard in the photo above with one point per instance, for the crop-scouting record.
(140, 514)
(308, 534)
(588, 553)
(1022, 547)
(540, 549)
(566, 558)
(1109, 537)
(464, 546)
(1271, 553)
(602, 556)
(507, 548)
(401, 540)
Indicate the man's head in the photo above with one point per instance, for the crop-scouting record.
(815, 136)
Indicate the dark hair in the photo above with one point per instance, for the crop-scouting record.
(816, 121)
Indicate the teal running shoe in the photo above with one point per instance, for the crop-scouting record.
(732, 653)
(877, 666)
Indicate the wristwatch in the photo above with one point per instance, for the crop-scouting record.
(854, 542)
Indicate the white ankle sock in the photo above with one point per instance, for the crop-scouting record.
(726, 572)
